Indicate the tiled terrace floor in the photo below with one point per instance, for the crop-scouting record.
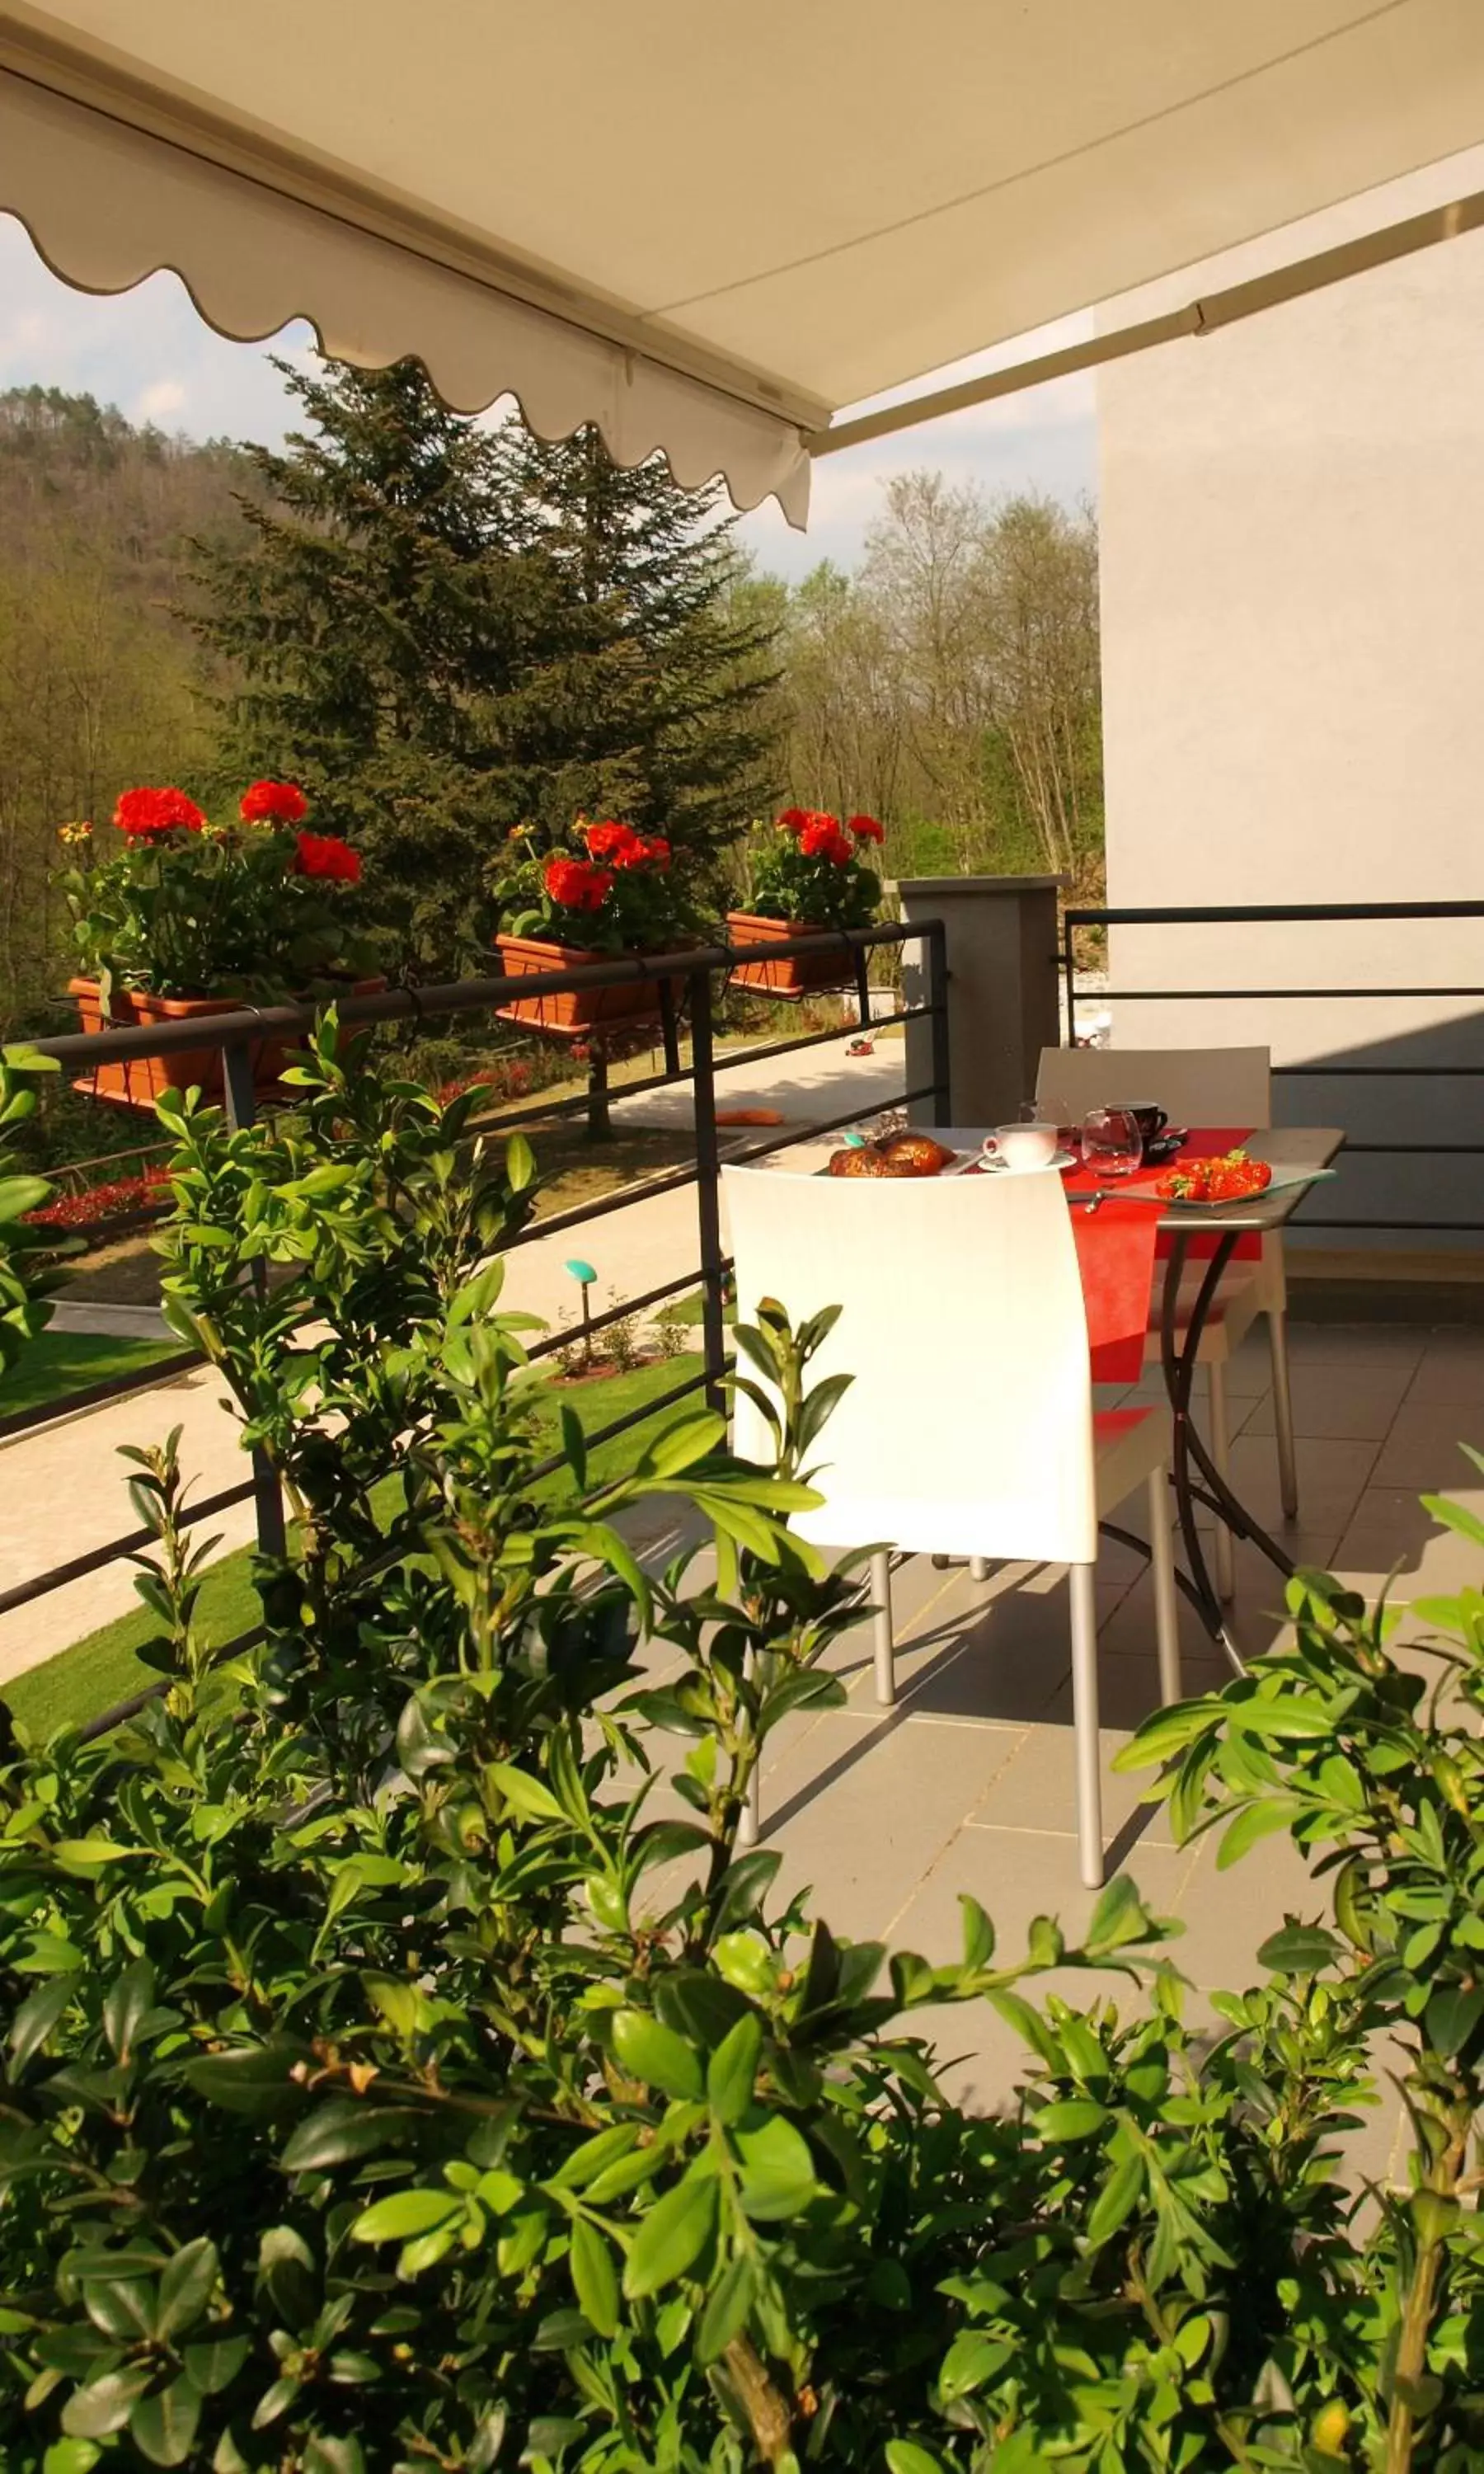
(966, 1784)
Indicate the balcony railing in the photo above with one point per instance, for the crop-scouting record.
(697, 971)
(1358, 1145)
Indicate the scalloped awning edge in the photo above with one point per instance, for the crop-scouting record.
(107, 204)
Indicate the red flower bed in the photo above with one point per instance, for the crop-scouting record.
(502, 1082)
(111, 1201)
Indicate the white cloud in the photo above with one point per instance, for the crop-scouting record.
(159, 402)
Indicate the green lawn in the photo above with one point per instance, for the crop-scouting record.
(103, 1669)
(58, 1363)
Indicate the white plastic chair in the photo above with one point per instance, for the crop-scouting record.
(969, 1429)
(1199, 1087)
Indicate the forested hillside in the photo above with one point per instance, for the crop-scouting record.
(97, 671)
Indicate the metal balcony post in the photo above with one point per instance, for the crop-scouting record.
(267, 1494)
(708, 1188)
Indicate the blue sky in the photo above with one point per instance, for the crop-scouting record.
(149, 352)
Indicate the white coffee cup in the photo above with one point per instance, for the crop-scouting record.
(1031, 1146)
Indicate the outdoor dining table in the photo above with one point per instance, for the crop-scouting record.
(1297, 1154)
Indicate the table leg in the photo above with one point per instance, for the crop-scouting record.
(1179, 1365)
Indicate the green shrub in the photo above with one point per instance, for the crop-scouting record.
(402, 2073)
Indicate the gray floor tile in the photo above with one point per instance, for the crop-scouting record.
(1354, 1344)
(1340, 1400)
(1036, 1791)
(1422, 1448)
(1017, 1875)
(863, 1812)
(1332, 1473)
(1452, 1374)
(1229, 1915)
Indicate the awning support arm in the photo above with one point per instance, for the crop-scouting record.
(1196, 318)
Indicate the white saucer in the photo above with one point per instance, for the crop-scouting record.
(985, 1164)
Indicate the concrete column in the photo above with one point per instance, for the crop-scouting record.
(1002, 933)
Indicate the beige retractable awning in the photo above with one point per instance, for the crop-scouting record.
(703, 225)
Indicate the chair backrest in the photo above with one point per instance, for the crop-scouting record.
(1194, 1087)
(968, 1428)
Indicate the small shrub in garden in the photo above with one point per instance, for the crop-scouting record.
(620, 1341)
(396, 2076)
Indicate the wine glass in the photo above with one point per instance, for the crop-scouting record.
(1111, 1144)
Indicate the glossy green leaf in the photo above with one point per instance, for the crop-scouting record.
(186, 2284)
(1116, 2200)
(1257, 1821)
(978, 1933)
(728, 2305)
(214, 2363)
(124, 2308)
(106, 2403)
(1074, 2118)
(1298, 1950)
(71, 2457)
(594, 2278)
(970, 2360)
(406, 2213)
(37, 2016)
(778, 2176)
(733, 2068)
(647, 2050)
(348, 2127)
(671, 2239)
(1451, 2017)
(531, 1797)
(163, 2426)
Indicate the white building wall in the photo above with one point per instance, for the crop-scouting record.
(1293, 656)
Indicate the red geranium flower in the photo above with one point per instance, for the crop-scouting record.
(575, 885)
(656, 850)
(279, 802)
(793, 820)
(820, 834)
(611, 840)
(141, 813)
(865, 829)
(326, 855)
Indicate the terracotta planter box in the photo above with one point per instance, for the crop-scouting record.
(579, 1011)
(795, 975)
(139, 1082)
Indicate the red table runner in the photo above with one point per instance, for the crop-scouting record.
(1118, 1244)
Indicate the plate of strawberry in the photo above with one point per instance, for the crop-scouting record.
(1230, 1178)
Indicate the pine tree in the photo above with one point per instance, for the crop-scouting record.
(652, 572)
(391, 643)
(442, 630)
